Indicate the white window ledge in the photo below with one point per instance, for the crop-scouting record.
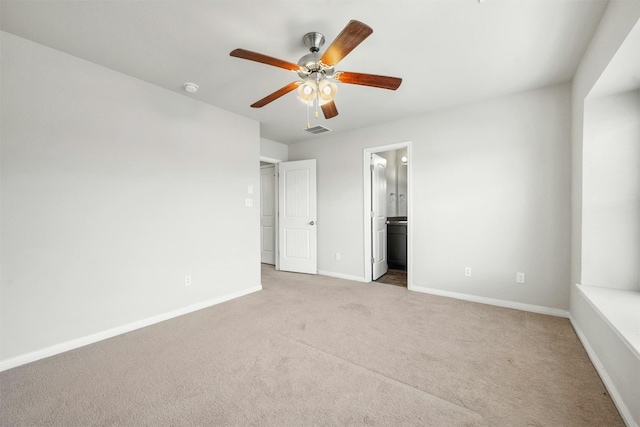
(620, 309)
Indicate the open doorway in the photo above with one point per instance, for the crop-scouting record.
(387, 203)
(267, 213)
(268, 206)
(288, 233)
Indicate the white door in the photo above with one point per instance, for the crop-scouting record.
(297, 216)
(378, 216)
(268, 214)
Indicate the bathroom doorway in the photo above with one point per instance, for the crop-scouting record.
(387, 202)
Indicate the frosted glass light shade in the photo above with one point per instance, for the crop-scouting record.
(327, 90)
(307, 91)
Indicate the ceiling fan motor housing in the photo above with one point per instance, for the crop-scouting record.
(310, 64)
(313, 41)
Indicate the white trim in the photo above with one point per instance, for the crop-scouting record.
(276, 201)
(270, 160)
(342, 276)
(606, 379)
(367, 203)
(110, 333)
(492, 301)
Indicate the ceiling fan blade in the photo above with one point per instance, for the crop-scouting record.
(275, 95)
(350, 37)
(384, 82)
(264, 59)
(329, 110)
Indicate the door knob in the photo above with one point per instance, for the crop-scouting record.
(311, 223)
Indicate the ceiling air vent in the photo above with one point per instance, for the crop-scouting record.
(317, 129)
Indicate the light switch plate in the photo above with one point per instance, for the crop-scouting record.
(248, 203)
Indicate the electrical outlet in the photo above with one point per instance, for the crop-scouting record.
(248, 203)
(467, 271)
(187, 280)
(520, 277)
(337, 256)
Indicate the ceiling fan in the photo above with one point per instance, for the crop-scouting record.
(317, 72)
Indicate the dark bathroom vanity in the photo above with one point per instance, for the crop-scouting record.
(397, 242)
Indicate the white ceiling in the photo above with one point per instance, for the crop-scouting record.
(448, 52)
(623, 71)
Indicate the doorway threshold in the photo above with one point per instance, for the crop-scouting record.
(393, 277)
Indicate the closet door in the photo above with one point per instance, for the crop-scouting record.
(297, 216)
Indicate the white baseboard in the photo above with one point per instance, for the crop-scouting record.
(492, 301)
(606, 379)
(109, 333)
(341, 276)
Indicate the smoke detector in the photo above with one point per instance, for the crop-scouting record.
(191, 87)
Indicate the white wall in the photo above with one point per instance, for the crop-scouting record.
(616, 23)
(396, 182)
(274, 150)
(112, 191)
(402, 182)
(615, 361)
(611, 192)
(491, 187)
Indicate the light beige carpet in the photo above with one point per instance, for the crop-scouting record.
(312, 350)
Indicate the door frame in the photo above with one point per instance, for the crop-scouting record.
(366, 173)
(277, 214)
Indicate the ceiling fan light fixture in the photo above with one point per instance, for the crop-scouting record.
(327, 90)
(307, 90)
